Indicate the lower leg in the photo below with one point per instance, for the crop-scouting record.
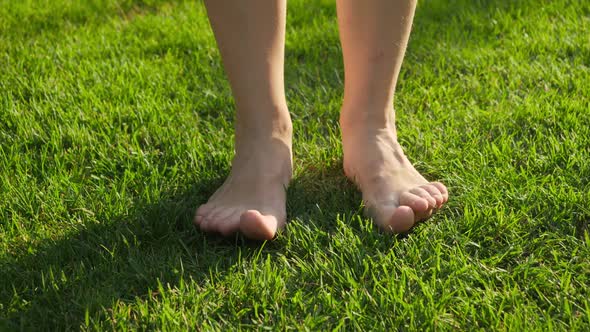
(374, 35)
(250, 36)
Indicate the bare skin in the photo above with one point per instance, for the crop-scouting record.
(395, 193)
(374, 35)
(252, 199)
(250, 35)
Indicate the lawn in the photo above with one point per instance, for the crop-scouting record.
(116, 122)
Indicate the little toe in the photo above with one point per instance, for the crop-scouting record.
(434, 193)
(257, 226)
(414, 201)
(443, 190)
(426, 195)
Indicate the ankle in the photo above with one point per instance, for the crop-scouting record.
(359, 126)
(264, 124)
(365, 118)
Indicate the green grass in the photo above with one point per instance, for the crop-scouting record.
(116, 122)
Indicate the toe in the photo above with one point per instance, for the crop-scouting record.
(204, 210)
(443, 190)
(201, 215)
(230, 225)
(208, 221)
(414, 201)
(425, 195)
(257, 226)
(421, 216)
(402, 219)
(217, 213)
(197, 220)
(216, 218)
(204, 225)
(434, 193)
(220, 216)
(392, 218)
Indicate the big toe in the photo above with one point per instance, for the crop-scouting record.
(402, 219)
(257, 226)
(393, 219)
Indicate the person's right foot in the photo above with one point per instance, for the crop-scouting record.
(252, 200)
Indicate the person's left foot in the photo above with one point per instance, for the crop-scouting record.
(396, 195)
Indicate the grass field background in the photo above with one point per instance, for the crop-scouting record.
(116, 122)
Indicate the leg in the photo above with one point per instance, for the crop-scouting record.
(250, 36)
(374, 35)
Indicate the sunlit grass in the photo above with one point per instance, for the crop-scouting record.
(116, 122)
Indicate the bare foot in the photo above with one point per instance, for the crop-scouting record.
(395, 194)
(252, 199)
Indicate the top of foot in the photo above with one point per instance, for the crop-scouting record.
(396, 195)
(252, 199)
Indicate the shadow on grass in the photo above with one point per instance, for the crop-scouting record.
(119, 259)
(322, 192)
(127, 258)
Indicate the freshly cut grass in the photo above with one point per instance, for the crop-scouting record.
(116, 122)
